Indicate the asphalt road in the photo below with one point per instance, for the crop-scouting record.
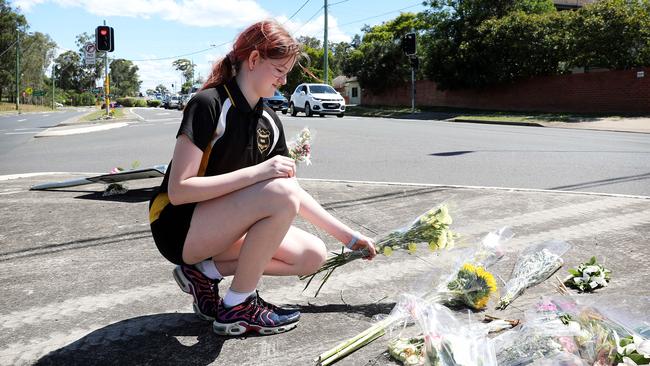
(372, 149)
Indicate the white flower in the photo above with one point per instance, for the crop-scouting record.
(642, 346)
(590, 269)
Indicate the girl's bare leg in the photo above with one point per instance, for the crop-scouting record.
(263, 211)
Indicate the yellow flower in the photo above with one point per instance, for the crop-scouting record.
(441, 241)
(433, 246)
(388, 251)
(412, 247)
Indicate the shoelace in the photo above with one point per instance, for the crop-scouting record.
(261, 302)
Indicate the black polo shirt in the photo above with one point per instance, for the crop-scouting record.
(231, 134)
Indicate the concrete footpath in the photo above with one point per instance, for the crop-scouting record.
(83, 284)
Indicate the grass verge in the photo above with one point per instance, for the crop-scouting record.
(100, 115)
(11, 107)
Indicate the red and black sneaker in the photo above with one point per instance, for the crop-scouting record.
(254, 315)
(204, 290)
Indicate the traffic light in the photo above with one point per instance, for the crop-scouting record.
(104, 38)
(408, 44)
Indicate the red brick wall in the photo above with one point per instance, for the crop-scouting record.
(597, 92)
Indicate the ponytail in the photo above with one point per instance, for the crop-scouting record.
(268, 37)
(222, 71)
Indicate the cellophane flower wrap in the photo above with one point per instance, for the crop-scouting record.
(545, 338)
(449, 341)
(465, 286)
(300, 147)
(430, 228)
(534, 265)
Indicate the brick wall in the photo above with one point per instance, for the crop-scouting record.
(595, 92)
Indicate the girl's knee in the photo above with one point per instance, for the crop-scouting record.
(313, 256)
(283, 193)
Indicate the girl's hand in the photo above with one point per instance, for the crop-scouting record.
(365, 242)
(277, 167)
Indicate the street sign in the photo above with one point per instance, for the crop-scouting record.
(39, 93)
(29, 90)
(89, 52)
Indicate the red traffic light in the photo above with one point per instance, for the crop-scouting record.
(104, 38)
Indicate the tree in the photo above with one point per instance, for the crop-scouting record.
(11, 23)
(474, 43)
(378, 60)
(612, 33)
(36, 54)
(186, 67)
(124, 78)
(161, 89)
(67, 70)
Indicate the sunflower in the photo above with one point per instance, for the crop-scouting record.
(472, 287)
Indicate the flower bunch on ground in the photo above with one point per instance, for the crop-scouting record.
(588, 276)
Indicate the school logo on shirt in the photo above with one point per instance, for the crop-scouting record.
(263, 139)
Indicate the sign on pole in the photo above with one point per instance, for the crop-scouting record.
(90, 49)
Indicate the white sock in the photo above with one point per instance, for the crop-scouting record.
(234, 298)
(209, 269)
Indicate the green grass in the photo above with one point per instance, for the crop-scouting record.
(474, 114)
(381, 111)
(11, 107)
(100, 115)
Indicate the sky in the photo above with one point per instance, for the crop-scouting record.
(154, 33)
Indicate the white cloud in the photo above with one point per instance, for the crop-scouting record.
(199, 13)
(315, 29)
(26, 5)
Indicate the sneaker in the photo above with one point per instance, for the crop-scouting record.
(204, 290)
(254, 315)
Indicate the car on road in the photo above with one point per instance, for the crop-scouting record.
(319, 99)
(277, 102)
(172, 102)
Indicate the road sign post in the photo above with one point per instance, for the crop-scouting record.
(89, 53)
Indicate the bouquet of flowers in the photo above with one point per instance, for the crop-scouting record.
(408, 351)
(534, 265)
(470, 286)
(450, 342)
(432, 228)
(118, 188)
(588, 276)
(300, 147)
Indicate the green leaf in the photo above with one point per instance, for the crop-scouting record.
(575, 272)
(592, 261)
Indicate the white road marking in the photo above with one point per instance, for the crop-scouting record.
(20, 133)
(36, 174)
(75, 131)
(22, 120)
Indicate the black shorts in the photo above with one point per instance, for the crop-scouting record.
(170, 230)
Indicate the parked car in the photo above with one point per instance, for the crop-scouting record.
(319, 99)
(184, 99)
(278, 102)
(172, 102)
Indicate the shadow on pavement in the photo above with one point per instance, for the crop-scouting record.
(160, 339)
(131, 196)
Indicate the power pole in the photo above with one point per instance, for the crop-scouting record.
(18, 70)
(325, 67)
(53, 107)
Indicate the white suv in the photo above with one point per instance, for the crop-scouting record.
(316, 99)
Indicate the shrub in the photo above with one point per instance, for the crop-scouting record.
(153, 103)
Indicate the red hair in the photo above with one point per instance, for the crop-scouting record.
(268, 37)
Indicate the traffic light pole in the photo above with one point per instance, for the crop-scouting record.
(412, 89)
(107, 101)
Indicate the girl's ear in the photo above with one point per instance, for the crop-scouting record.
(253, 59)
